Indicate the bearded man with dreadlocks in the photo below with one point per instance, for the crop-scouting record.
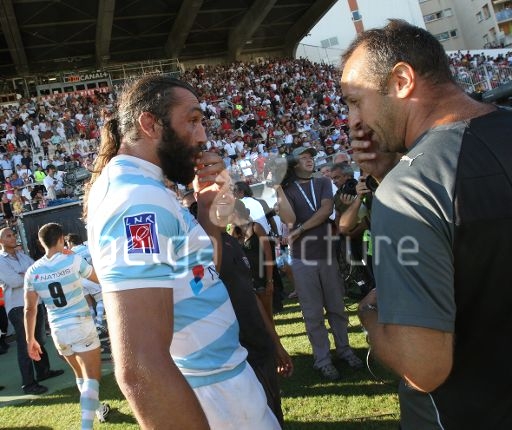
(173, 330)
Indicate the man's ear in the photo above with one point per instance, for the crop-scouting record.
(402, 80)
(149, 125)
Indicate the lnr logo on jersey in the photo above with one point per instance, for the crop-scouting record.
(141, 234)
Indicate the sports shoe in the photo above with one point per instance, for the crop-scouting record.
(102, 412)
(353, 361)
(35, 389)
(330, 372)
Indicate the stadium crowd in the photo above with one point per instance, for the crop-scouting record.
(253, 112)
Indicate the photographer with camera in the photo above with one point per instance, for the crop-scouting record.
(352, 222)
(306, 202)
(53, 183)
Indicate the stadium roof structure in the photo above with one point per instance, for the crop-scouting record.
(41, 36)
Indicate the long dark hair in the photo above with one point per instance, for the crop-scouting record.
(154, 94)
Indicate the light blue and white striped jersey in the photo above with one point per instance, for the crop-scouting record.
(89, 287)
(140, 237)
(58, 281)
(83, 251)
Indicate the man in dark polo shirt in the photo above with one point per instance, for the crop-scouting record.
(307, 203)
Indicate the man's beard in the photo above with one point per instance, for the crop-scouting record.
(177, 156)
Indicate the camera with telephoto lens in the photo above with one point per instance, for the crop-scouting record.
(371, 183)
(349, 187)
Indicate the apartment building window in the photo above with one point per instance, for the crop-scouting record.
(479, 17)
(446, 35)
(485, 11)
(437, 15)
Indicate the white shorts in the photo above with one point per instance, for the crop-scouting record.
(80, 337)
(237, 403)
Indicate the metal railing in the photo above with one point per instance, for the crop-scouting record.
(483, 78)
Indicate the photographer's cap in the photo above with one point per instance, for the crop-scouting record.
(299, 151)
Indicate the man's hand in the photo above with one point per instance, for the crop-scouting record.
(34, 350)
(366, 315)
(364, 151)
(369, 157)
(294, 234)
(209, 166)
(362, 188)
(347, 199)
(284, 362)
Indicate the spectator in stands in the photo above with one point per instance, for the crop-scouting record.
(16, 158)
(6, 165)
(16, 181)
(18, 203)
(8, 188)
(7, 211)
(26, 193)
(38, 200)
(34, 136)
(53, 185)
(22, 139)
(39, 175)
(24, 171)
(26, 160)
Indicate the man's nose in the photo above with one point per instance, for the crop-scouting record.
(354, 120)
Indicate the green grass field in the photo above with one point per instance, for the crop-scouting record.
(358, 401)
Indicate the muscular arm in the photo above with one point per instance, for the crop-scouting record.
(422, 357)
(33, 347)
(285, 208)
(93, 277)
(349, 219)
(145, 370)
(349, 223)
(9, 277)
(284, 361)
(321, 215)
